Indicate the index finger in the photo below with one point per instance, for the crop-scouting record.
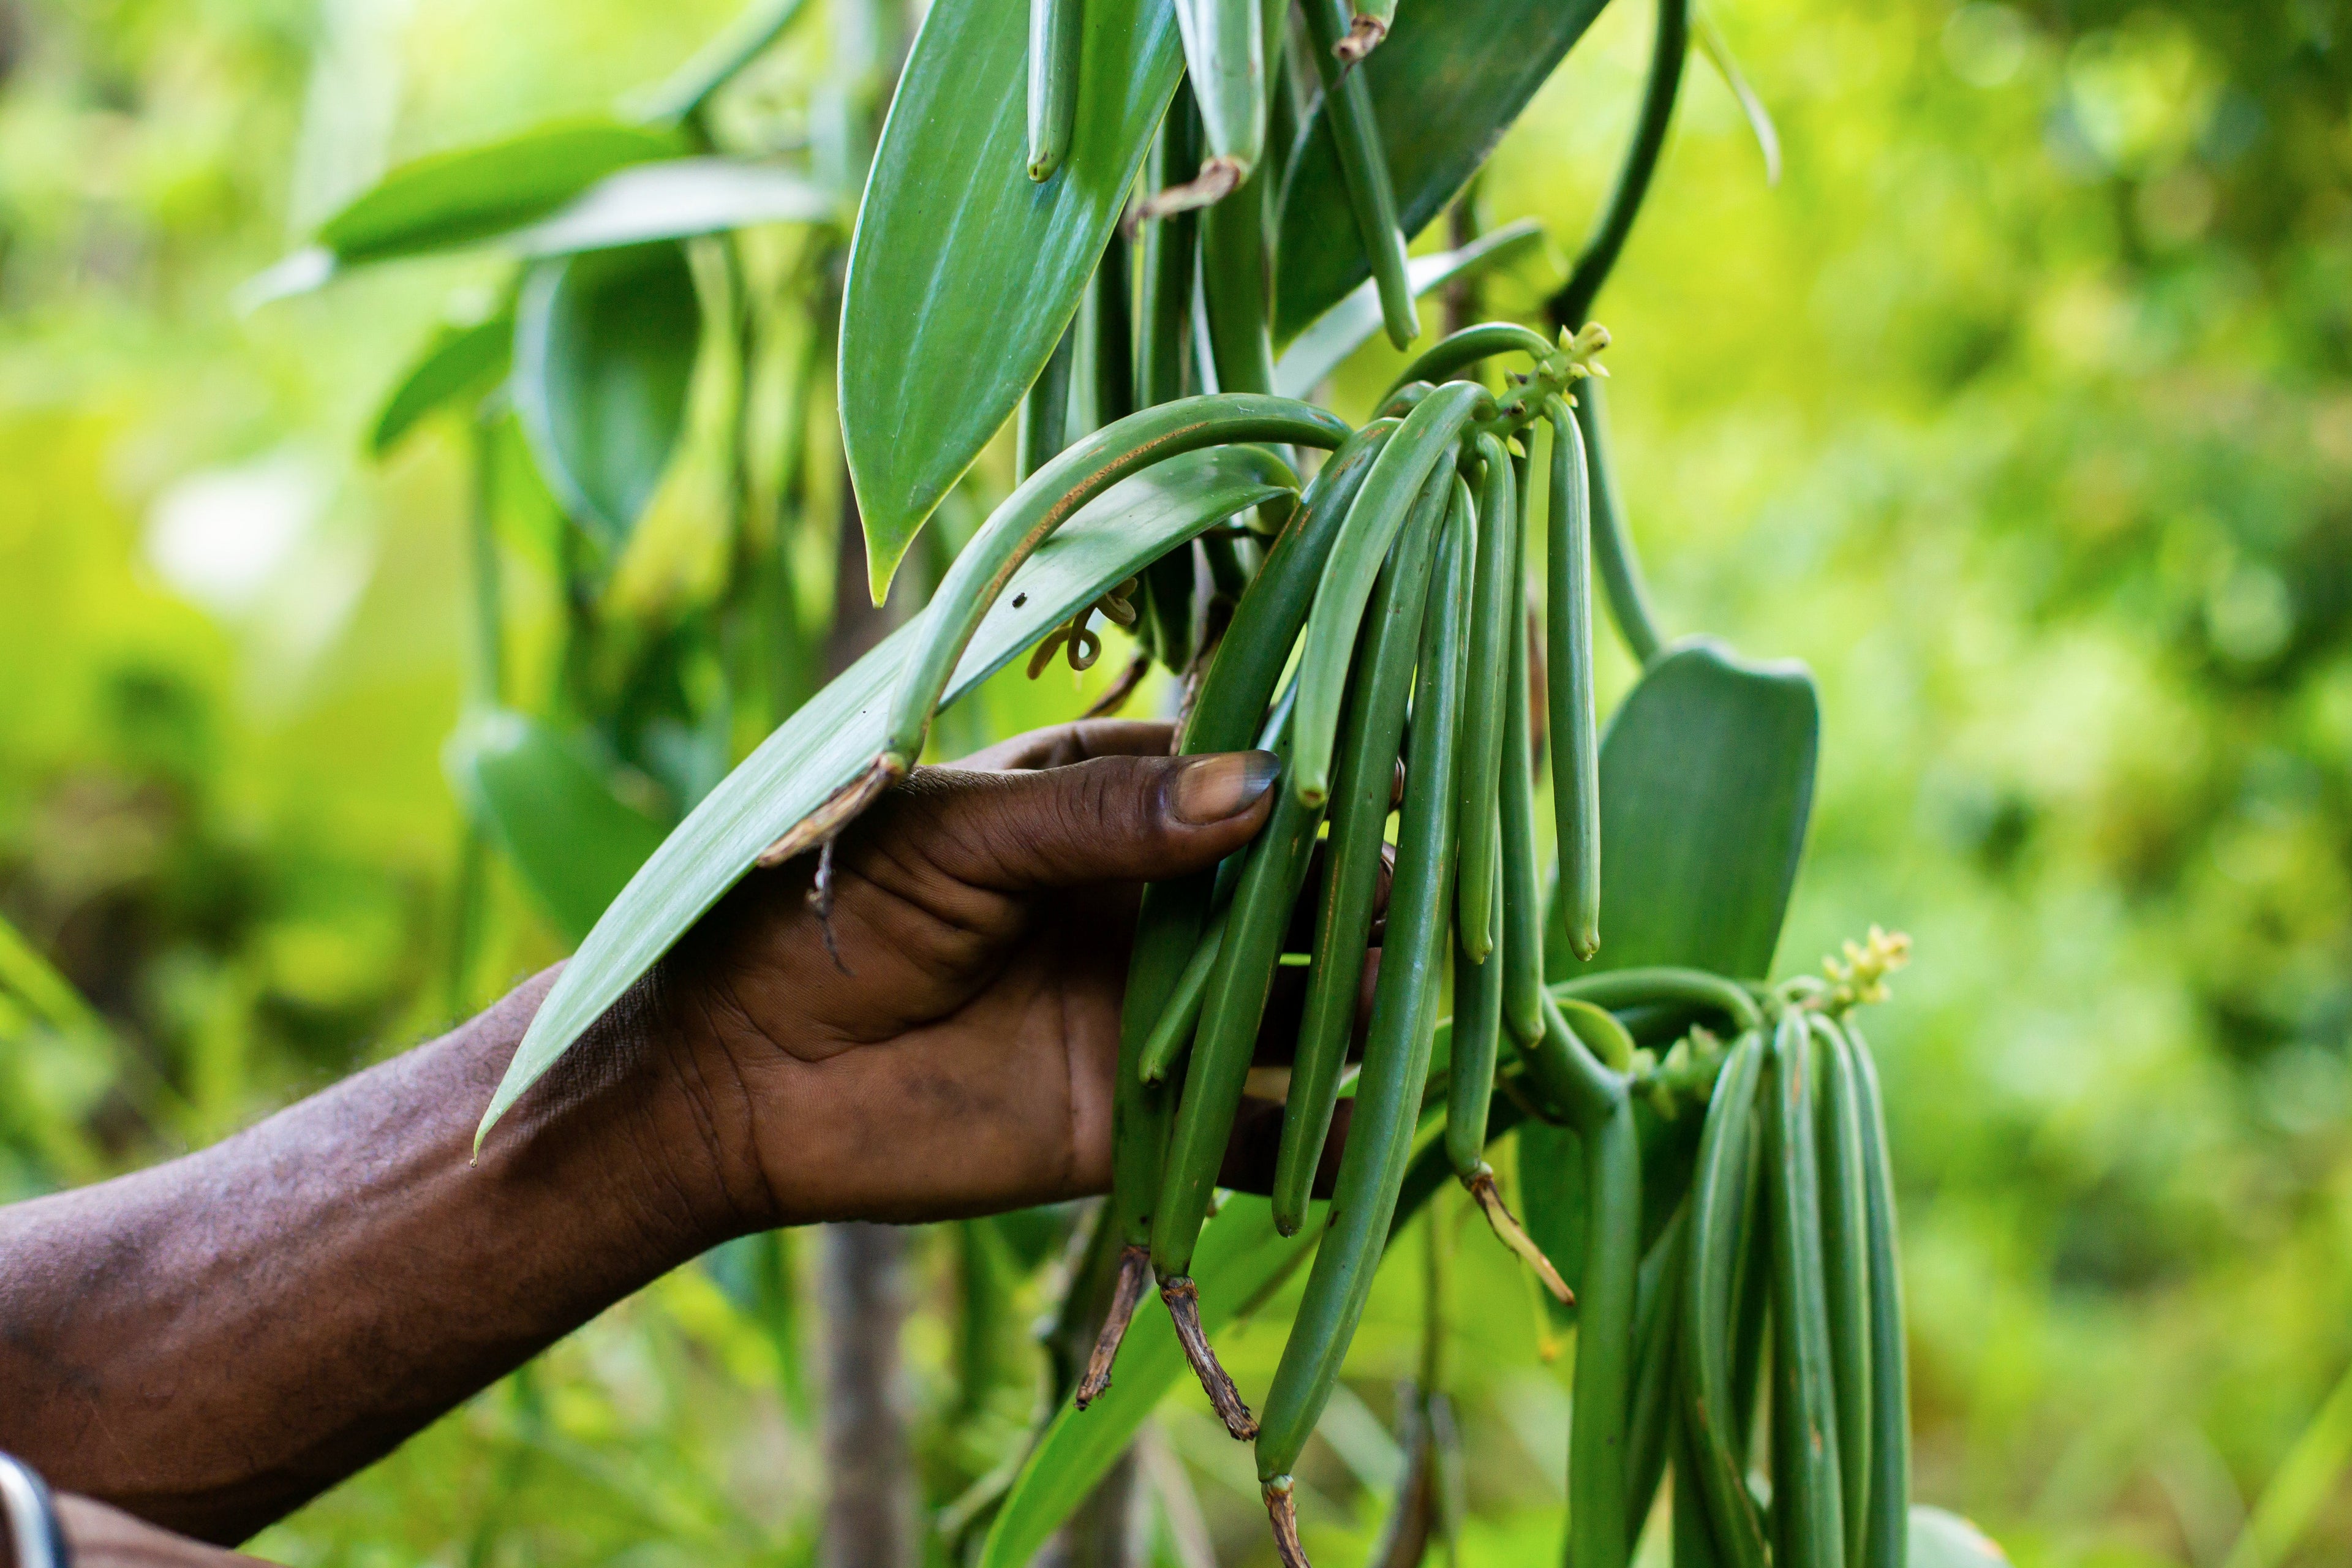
(1082, 740)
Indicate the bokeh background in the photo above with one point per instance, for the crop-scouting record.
(2020, 409)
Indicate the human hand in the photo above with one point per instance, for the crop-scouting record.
(958, 1056)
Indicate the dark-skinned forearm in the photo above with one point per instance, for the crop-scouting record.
(211, 1341)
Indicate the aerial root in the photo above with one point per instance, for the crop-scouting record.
(1134, 1279)
(1183, 1300)
(1513, 1234)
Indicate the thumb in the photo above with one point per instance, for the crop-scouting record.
(1109, 819)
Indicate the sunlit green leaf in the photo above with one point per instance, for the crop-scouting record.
(1239, 1262)
(574, 843)
(455, 197)
(1706, 785)
(459, 362)
(964, 271)
(1350, 324)
(1449, 80)
(1942, 1540)
(604, 351)
(675, 199)
(836, 733)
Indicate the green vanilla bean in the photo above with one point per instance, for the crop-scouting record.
(1050, 497)
(1845, 1277)
(1169, 1036)
(1235, 280)
(1477, 1038)
(1044, 429)
(1669, 47)
(1650, 1416)
(1166, 255)
(1114, 332)
(1494, 618)
(1598, 1531)
(1225, 61)
(1612, 545)
(1426, 436)
(1390, 641)
(1396, 1055)
(1363, 167)
(1055, 27)
(1576, 752)
(1718, 1209)
(1399, 403)
(1165, 928)
(1693, 1538)
(1885, 1542)
(1217, 1071)
(1523, 910)
(1752, 1298)
(1476, 1042)
(1808, 1511)
(1457, 352)
(1241, 680)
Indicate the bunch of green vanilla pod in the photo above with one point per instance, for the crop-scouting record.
(1400, 580)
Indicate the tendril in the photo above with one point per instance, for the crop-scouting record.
(1080, 641)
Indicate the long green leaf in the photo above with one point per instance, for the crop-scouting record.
(835, 734)
(670, 198)
(604, 351)
(450, 198)
(461, 197)
(573, 841)
(1350, 324)
(675, 199)
(460, 361)
(963, 272)
(1706, 785)
(1239, 1260)
(1447, 83)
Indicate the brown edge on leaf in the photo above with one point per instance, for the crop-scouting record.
(838, 810)
(1282, 1509)
(1364, 36)
(1134, 1279)
(1183, 1299)
(1513, 1234)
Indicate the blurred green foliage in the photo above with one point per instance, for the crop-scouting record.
(2022, 408)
